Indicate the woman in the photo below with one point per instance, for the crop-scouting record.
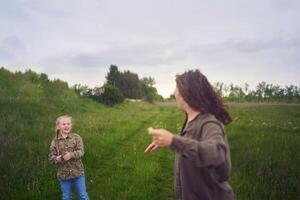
(202, 153)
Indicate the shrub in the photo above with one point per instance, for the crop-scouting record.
(111, 95)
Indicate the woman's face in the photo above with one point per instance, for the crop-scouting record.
(179, 100)
(65, 125)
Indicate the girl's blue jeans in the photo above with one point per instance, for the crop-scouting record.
(79, 183)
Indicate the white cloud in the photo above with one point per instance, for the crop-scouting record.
(231, 41)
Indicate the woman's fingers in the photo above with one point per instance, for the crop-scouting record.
(151, 147)
(147, 149)
(154, 148)
(158, 139)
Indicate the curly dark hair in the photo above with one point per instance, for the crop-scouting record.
(199, 94)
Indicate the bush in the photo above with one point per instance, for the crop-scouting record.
(111, 95)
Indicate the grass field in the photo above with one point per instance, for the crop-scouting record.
(264, 146)
(264, 141)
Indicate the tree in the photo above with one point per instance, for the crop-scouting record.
(260, 90)
(130, 85)
(127, 82)
(218, 86)
(113, 76)
(290, 92)
(172, 96)
(149, 92)
(44, 77)
(111, 95)
(269, 91)
(246, 88)
(82, 90)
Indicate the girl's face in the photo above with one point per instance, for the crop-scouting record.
(65, 125)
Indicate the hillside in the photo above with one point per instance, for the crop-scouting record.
(264, 141)
(30, 104)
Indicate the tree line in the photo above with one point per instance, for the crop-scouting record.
(263, 92)
(126, 84)
(120, 85)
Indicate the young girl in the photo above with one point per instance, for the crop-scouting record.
(202, 153)
(66, 151)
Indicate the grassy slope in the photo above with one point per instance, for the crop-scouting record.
(264, 143)
(115, 138)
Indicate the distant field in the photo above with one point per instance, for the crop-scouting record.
(239, 105)
(264, 141)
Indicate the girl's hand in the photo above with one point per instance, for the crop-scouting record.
(67, 156)
(58, 159)
(152, 147)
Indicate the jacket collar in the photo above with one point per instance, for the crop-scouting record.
(59, 136)
(187, 126)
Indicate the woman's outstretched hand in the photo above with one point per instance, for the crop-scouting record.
(160, 138)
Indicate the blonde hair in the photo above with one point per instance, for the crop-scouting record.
(60, 118)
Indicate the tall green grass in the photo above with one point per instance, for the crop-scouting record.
(265, 146)
(264, 143)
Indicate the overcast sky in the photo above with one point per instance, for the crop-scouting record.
(231, 41)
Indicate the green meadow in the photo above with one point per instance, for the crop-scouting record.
(264, 142)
